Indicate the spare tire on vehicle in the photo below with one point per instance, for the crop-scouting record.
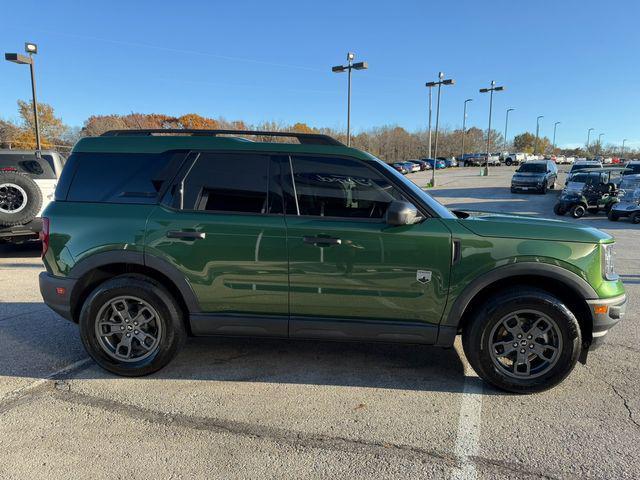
(20, 199)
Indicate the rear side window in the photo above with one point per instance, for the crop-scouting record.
(116, 177)
(27, 164)
(227, 183)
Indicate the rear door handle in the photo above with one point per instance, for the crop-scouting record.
(186, 235)
(322, 241)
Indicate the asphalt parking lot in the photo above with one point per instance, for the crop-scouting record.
(230, 408)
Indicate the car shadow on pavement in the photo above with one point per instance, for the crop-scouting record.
(31, 249)
(37, 342)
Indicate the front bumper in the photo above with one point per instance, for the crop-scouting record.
(56, 293)
(525, 186)
(606, 313)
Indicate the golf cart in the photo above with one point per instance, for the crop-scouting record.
(629, 196)
(589, 191)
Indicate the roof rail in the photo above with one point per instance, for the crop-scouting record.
(304, 138)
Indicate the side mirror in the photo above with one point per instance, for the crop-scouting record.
(401, 213)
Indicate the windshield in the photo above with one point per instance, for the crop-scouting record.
(533, 168)
(632, 169)
(432, 203)
(630, 188)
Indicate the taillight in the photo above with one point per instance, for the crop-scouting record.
(8, 169)
(44, 235)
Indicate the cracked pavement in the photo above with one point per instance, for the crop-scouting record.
(242, 408)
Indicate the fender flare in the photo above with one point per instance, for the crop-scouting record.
(555, 272)
(139, 258)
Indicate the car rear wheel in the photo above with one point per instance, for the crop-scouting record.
(523, 341)
(508, 162)
(131, 325)
(635, 218)
(613, 216)
(558, 209)
(578, 211)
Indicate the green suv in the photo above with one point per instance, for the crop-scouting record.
(157, 235)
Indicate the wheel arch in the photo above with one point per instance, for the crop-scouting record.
(571, 289)
(94, 270)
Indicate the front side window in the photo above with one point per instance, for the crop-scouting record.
(227, 183)
(338, 187)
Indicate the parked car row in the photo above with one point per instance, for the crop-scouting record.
(411, 166)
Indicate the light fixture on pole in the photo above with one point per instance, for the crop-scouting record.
(441, 81)
(31, 49)
(535, 146)
(347, 68)
(491, 89)
(555, 125)
(464, 126)
(506, 125)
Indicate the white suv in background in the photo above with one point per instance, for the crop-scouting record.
(27, 185)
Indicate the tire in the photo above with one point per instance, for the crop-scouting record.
(508, 162)
(558, 209)
(635, 218)
(20, 199)
(544, 188)
(513, 190)
(167, 327)
(553, 185)
(484, 336)
(578, 211)
(613, 216)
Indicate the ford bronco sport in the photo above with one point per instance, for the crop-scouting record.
(157, 235)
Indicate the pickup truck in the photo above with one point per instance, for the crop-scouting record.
(27, 184)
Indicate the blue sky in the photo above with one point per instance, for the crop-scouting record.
(571, 61)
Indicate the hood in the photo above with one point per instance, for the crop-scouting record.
(519, 226)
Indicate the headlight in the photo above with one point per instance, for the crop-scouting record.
(608, 257)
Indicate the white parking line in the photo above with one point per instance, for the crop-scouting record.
(22, 390)
(469, 425)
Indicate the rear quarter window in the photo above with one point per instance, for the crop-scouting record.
(117, 177)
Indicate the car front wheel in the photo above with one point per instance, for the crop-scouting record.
(578, 211)
(523, 341)
(635, 218)
(131, 325)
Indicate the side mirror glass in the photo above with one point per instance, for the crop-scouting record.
(401, 213)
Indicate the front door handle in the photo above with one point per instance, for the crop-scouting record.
(186, 235)
(322, 241)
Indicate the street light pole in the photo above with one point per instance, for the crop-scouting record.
(622, 150)
(341, 68)
(429, 155)
(464, 126)
(589, 137)
(491, 89)
(535, 147)
(441, 81)
(600, 143)
(31, 49)
(555, 125)
(506, 126)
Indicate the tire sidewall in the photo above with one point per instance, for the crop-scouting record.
(34, 199)
(477, 344)
(172, 338)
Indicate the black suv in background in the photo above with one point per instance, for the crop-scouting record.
(538, 176)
